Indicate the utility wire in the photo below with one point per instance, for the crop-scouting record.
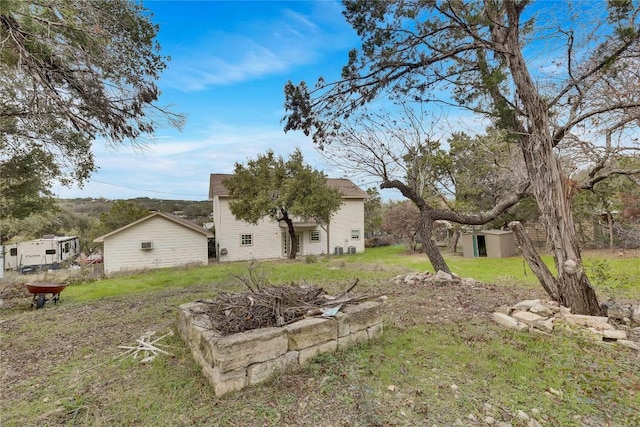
(149, 191)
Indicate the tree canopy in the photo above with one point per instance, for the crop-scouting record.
(555, 85)
(71, 73)
(282, 190)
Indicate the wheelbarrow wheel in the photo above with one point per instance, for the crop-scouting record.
(40, 300)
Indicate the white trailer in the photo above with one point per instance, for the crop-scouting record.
(49, 252)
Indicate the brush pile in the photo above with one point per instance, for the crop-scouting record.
(231, 313)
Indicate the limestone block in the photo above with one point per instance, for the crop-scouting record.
(354, 338)
(226, 382)
(246, 348)
(632, 345)
(375, 331)
(541, 310)
(545, 325)
(363, 315)
(311, 331)
(526, 304)
(205, 346)
(614, 334)
(343, 324)
(443, 275)
(526, 317)
(616, 311)
(598, 322)
(565, 311)
(635, 314)
(309, 352)
(504, 309)
(260, 372)
(508, 321)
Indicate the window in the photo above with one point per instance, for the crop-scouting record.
(13, 251)
(50, 251)
(146, 246)
(355, 234)
(314, 235)
(246, 239)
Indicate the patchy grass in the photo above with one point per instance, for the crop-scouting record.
(441, 360)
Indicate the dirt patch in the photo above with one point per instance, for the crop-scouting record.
(452, 303)
(35, 342)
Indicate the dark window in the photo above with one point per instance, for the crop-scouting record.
(13, 251)
(246, 239)
(50, 252)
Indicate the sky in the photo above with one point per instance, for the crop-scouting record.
(229, 63)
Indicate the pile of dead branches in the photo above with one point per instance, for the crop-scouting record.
(262, 307)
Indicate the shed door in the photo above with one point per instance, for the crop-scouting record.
(479, 246)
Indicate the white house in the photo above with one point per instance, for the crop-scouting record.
(238, 240)
(155, 241)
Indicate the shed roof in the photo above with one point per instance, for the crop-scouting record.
(181, 221)
(348, 189)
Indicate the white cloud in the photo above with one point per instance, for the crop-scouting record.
(179, 169)
(224, 58)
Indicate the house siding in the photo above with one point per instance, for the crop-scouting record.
(173, 245)
(349, 217)
(268, 235)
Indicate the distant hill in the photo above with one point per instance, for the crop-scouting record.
(197, 211)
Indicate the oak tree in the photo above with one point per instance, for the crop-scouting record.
(281, 190)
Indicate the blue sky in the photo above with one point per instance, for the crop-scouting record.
(229, 63)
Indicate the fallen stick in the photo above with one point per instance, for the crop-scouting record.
(348, 290)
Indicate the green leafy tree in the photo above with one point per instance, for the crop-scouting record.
(282, 190)
(373, 213)
(73, 72)
(482, 56)
(24, 185)
(122, 212)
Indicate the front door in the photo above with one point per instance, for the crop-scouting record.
(286, 244)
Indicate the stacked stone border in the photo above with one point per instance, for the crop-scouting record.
(233, 362)
(621, 325)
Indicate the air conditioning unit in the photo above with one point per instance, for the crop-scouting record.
(352, 250)
(338, 250)
(145, 246)
(223, 251)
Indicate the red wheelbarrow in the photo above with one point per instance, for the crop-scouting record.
(45, 291)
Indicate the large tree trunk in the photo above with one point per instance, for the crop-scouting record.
(429, 247)
(553, 193)
(551, 189)
(293, 244)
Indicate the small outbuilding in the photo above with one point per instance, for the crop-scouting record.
(488, 243)
(155, 241)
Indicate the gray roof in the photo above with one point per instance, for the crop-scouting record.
(348, 189)
(181, 221)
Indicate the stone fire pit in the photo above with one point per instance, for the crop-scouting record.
(239, 360)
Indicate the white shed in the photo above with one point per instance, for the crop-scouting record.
(488, 243)
(155, 241)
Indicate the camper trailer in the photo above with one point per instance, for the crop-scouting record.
(45, 253)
